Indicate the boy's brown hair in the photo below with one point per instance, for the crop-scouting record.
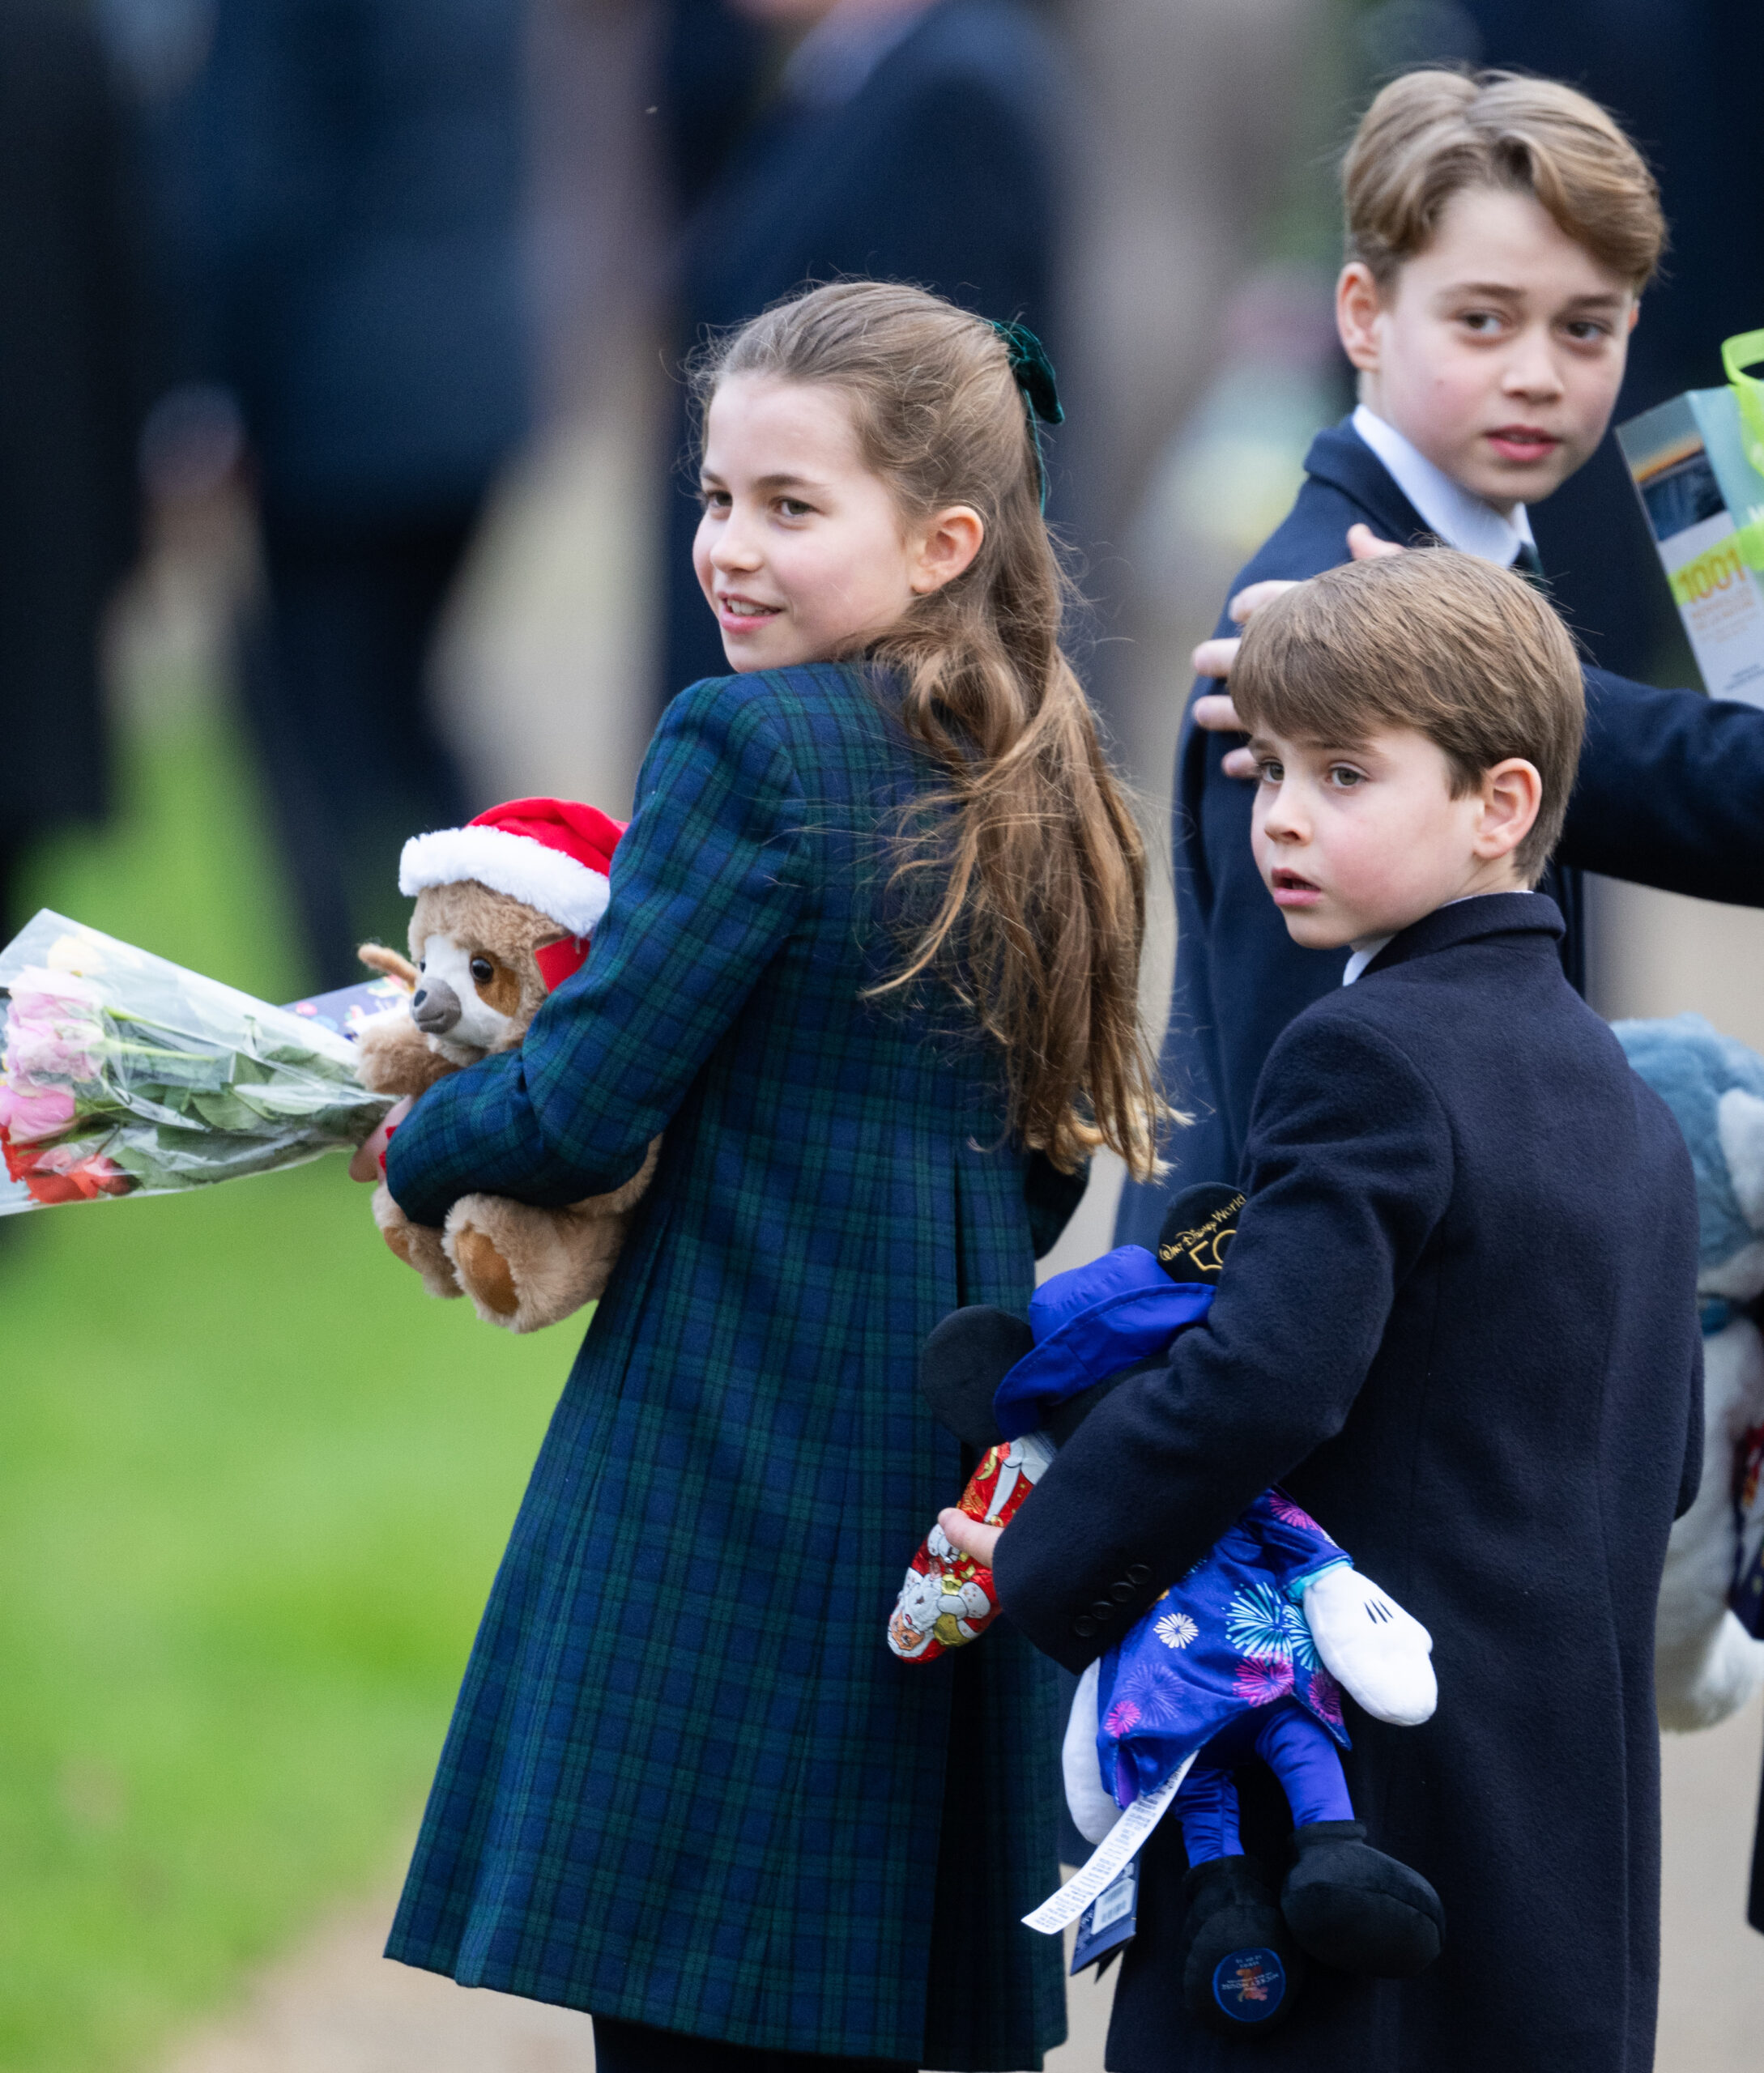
(1464, 653)
(1432, 133)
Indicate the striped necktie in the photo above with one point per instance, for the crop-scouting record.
(1528, 564)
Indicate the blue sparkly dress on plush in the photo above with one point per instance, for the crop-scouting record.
(1222, 1669)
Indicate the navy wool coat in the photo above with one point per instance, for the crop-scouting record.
(1458, 1324)
(1670, 794)
(686, 1785)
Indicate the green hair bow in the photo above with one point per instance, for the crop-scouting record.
(1035, 373)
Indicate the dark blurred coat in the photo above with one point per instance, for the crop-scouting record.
(359, 166)
(355, 237)
(939, 169)
(69, 391)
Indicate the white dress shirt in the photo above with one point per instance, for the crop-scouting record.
(1461, 520)
(1361, 958)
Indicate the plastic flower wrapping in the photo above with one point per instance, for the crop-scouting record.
(123, 1074)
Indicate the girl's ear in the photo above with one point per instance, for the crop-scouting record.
(944, 547)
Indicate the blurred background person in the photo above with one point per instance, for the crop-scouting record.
(905, 140)
(353, 183)
(74, 369)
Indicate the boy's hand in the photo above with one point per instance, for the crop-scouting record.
(968, 1534)
(1213, 658)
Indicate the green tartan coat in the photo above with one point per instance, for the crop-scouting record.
(686, 1783)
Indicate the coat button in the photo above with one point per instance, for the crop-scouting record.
(1083, 1627)
(1102, 1610)
(1121, 1593)
(1138, 1573)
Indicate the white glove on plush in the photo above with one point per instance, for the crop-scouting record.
(1093, 1812)
(1376, 1651)
(1706, 1665)
(1703, 1679)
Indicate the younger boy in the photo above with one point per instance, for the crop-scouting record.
(1500, 231)
(1458, 1324)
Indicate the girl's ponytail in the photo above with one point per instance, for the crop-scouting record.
(1041, 913)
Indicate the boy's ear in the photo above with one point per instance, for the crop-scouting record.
(1512, 796)
(1359, 302)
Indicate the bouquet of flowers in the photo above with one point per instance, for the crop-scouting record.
(123, 1074)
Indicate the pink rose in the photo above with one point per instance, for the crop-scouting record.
(37, 990)
(30, 1114)
(50, 1050)
(55, 1026)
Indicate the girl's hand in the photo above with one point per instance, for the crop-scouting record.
(1214, 658)
(968, 1534)
(365, 1164)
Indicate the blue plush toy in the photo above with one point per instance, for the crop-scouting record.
(1243, 1658)
(1707, 1662)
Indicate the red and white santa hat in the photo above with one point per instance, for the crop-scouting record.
(553, 854)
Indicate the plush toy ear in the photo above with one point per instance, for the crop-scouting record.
(962, 1363)
(377, 958)
(1740, 1124)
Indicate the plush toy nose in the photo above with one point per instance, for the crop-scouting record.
(435, 1007)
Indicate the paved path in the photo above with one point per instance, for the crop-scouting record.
(337, 2007)
(1712, 1964)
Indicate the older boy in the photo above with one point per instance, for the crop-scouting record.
(1458, 1324)
(1499, 232)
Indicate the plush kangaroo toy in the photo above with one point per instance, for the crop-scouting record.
(1243, 1658)
(504, 909)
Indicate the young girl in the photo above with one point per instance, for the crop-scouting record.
(869, 968)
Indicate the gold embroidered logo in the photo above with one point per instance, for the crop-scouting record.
(1199, 1252)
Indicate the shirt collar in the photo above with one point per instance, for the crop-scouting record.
(1360, 958)
(1461, 520)
(833, 62)
(1517, 913)
(1357, 963)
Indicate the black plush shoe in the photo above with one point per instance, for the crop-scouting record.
(1351, 1906)
(1240, 1969)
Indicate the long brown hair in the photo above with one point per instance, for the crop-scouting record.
(1041, 913)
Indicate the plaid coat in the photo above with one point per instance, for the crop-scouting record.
(686, 1783)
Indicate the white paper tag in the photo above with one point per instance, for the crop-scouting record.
(1111, 1858)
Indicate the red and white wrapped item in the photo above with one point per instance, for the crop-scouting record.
(948, 1598)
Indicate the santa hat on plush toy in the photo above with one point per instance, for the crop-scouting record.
(553, 854)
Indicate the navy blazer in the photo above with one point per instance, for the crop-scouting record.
(1670, 794)
(1459, 1324)
(939, 170)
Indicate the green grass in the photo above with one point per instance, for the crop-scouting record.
(253, 1488)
